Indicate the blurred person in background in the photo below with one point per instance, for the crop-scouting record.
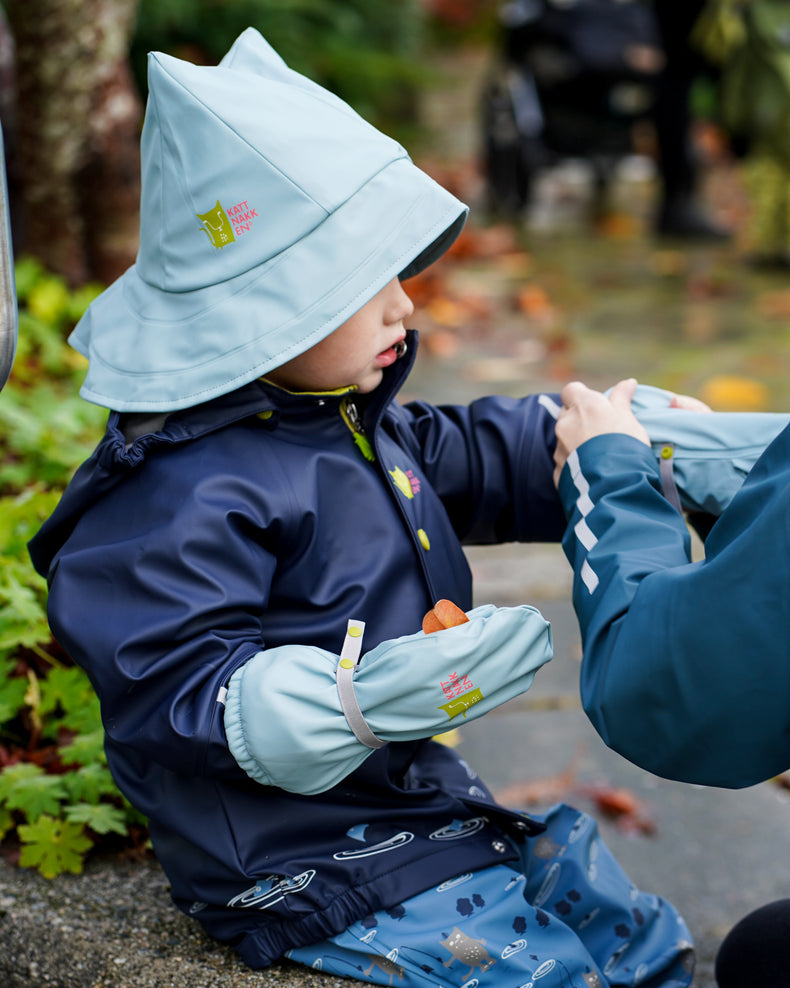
(680, 210)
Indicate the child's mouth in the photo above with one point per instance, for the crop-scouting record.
(388, 357)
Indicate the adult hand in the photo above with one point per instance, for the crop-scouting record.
(689, 404)
(586, 413)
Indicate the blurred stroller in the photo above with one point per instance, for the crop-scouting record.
(571, 79)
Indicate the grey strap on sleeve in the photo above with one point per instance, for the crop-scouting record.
(349, 659)
(667, 473)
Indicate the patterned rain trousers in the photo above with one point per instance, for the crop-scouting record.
(565, 916)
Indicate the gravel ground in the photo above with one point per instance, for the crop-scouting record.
(115, 927)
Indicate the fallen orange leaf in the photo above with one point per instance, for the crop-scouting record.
(439, 342)
(425, 286)
(623, 806)
(614, 801)
(618, 226)
(534, 302)
(783, 780)
(491, 241)
(774, 305)
(446, 312)
(731, 393)
(542, 791)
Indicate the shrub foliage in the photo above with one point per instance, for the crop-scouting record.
(57, 798)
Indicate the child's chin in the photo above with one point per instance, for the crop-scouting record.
(369, 382)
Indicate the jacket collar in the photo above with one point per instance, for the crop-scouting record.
(257, 398)
(116, 455)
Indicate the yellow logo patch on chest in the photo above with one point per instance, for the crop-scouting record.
(406, 483)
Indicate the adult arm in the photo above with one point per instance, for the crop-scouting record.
(685, 669)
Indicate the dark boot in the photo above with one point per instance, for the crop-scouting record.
(756, 952)
(685, 218)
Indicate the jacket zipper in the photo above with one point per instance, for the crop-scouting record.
(350, 415)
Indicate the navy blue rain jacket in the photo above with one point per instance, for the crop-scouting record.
(255, 521)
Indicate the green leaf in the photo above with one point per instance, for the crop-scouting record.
(48, 300)
(85, 749)
(22, 515)
(53, 846)
(28, 788)
(86, 718)
(89, 783)
(12, 696)
(82, 298)
(68, 693)
(27, 271)
(23, 618)
(102, 818)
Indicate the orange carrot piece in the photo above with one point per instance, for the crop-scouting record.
(444, 614)
(449, 613)
(431, 623)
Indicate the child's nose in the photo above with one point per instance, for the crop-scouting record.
(401, 306)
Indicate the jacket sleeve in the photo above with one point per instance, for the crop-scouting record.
(491, 463)
(685, 668)
(162, 610)
(332, 711)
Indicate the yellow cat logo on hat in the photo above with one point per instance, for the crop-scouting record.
(217, 226)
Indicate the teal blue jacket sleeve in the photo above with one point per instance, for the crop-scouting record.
(686, 666)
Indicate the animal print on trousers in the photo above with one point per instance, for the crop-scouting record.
(568, 917)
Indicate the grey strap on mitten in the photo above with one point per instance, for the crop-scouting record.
(349, 659)
(667, 473)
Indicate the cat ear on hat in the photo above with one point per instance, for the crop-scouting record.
(252, 53)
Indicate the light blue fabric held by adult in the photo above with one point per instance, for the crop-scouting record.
(711, 452)
(405, 688)
(270, 213)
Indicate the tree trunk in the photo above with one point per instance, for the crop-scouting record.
(77, 135)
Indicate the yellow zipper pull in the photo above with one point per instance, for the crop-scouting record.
(350, 415)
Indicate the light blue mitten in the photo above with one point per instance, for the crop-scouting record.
(706, 456)
(302, 718)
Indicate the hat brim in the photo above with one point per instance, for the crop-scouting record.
(151, 350)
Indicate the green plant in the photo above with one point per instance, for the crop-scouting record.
(46, 429)
(367, 51)
(57, 797)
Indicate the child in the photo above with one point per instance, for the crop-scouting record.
(258, 495)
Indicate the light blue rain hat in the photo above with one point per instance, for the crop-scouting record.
(270, 213)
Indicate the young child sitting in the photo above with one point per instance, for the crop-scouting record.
(259, 503)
